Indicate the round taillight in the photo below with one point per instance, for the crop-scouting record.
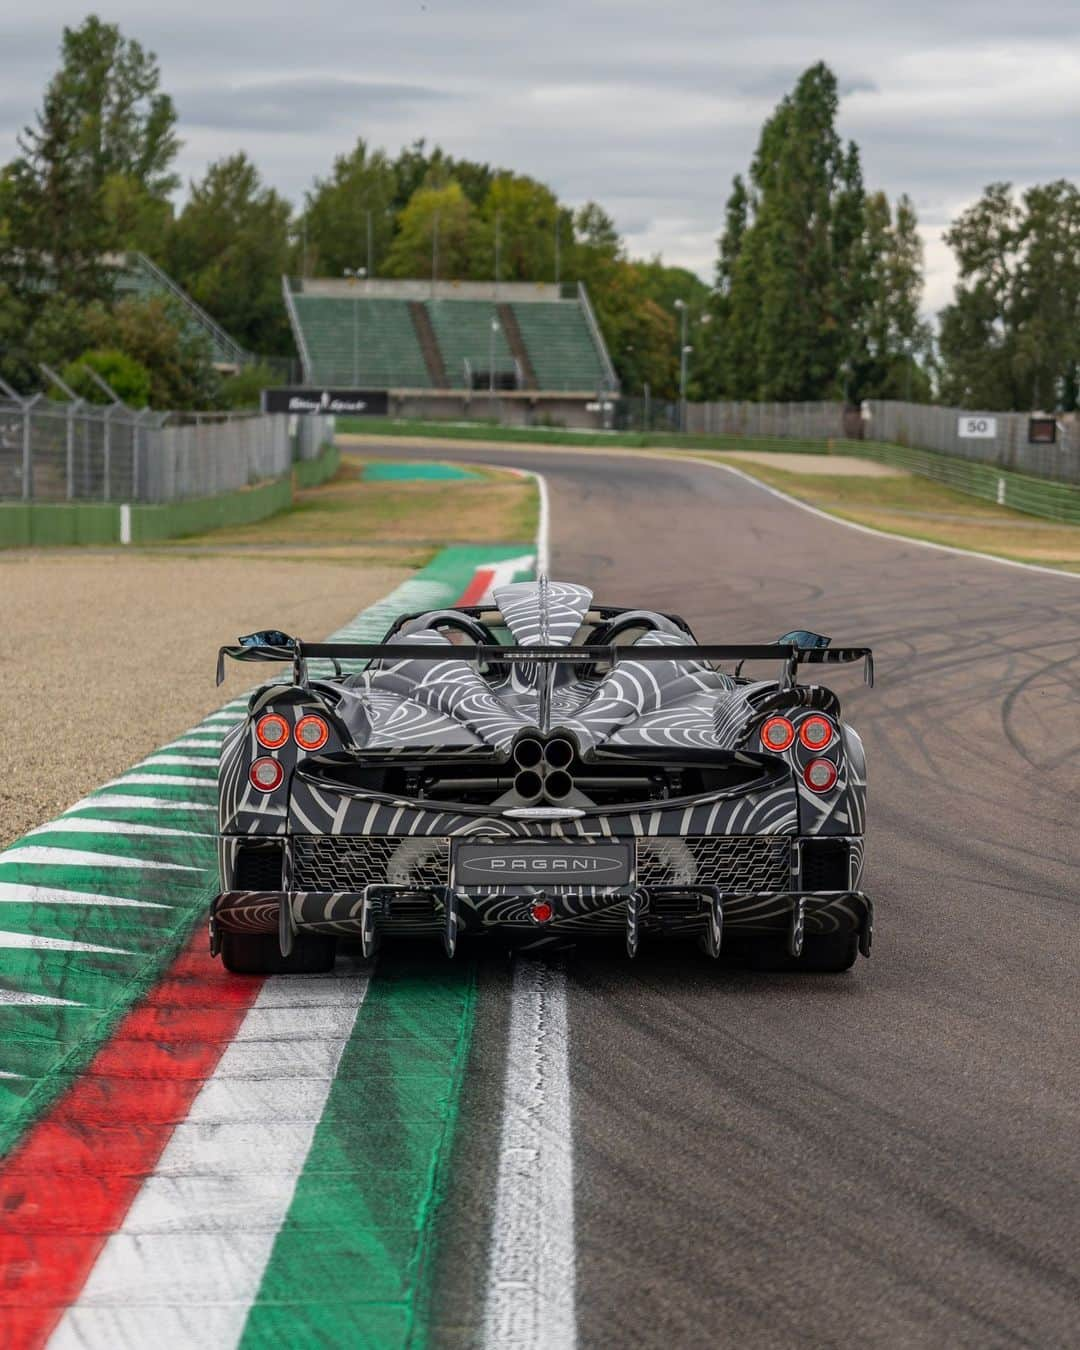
(266, 774)
(777, 733)
(816, 733)
(272, 731)
(542, 912)
(820, 775)
(311, 733)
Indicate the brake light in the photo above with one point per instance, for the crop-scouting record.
(272, 731)
(312, 733)
(816, 733)
(820, 775)
(542, 912)
(777, 733)
(266, 774)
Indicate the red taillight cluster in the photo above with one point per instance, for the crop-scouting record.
(820, 775)
(816, 732)
(272, 731)
(312, 733)
(266, 774)
(777, 734)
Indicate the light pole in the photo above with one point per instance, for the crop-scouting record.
(355, 274)
(491, 360)
(684, 352)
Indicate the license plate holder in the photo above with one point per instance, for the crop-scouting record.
(541, 864)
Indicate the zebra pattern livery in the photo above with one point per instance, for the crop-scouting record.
(444, 712)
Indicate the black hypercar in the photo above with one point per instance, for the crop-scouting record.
(542, 768)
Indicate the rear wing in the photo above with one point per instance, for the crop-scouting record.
(299, 653)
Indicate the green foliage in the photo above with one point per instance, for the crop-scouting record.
(1011, 337)
(244, 389)
(155, 334)
(129, 378)
(334, 227)
(519, 216)
(817, 284)
(229, 248)
(439, 233)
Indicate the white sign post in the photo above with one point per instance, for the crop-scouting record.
(976, 428)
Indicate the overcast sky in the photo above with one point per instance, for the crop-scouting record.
(648, 108)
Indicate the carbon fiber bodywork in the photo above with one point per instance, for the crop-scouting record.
(360, 836)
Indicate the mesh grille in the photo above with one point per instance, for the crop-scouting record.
(345, 863)
(732, 862)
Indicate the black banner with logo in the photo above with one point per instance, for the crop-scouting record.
(342, 402)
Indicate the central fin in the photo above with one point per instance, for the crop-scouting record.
(543, 613)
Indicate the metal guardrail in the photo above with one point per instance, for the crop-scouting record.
(83, 452)
(1033, 496)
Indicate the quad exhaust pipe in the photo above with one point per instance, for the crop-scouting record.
(542, 769)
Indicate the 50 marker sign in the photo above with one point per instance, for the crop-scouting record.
(977, 428)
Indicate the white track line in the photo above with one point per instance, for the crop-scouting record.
(531, 1279)
(530, 1294)
(116, 800)
(187, 1263)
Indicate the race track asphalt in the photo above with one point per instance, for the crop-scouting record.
(885, 1158)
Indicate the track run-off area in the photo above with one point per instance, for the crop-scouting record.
(668, 1152)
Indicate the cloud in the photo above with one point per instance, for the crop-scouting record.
(649, 112)
(305, 103)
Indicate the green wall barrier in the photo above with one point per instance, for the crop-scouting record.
(59, 524)
(308, 473)
(49, 525)
(150, 523)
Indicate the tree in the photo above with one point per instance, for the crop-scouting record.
(93, 170)
(335, 221)
(1011, 337)
(229, 248)
(523, 213)
(438, 233)
(156, 334)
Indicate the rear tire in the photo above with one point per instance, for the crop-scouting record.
(260, 954)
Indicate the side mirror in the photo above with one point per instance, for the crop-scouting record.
(801, 638)
(267, 637)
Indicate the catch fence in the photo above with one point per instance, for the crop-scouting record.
(80, 452)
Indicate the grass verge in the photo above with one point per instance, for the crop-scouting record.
(918, 508)
(350, 519)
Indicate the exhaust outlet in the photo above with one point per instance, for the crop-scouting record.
(528, 753)
(528, 785)
(559, 754)
(558, 784)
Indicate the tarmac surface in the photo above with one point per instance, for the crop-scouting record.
(889, 1157)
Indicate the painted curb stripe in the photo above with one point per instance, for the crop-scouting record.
(199, 1232)
(88, 1154)
(83, 1163)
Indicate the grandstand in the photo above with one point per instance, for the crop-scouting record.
(426, 338)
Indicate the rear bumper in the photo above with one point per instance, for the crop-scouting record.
(689, 911)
